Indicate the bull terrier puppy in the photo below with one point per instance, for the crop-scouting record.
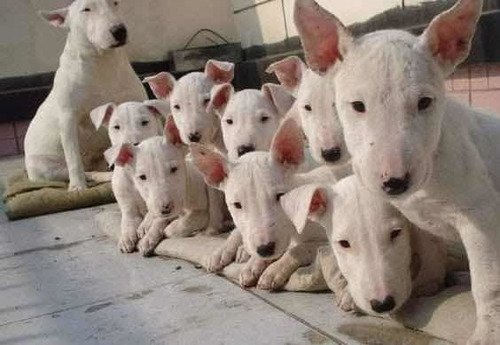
(249, 118)
(253, 186)
(168, 186)
(189, 98)
(314, 110)
(61, 142)
(383, 257)
(434, 159)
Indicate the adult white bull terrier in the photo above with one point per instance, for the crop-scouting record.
(383, 257)
(61, 142)
(315, 107)
(157, 167)
(253, 187)
(434, 159)
(249, 118)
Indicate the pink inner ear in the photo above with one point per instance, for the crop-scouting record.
(154, 110)
(453, 37)
(221, 97)
(220, 72)
(288, 144)
(125, 156)
(160, 85)
(212, 167)
(172, 132)
(288, 72)
(318, 202)
(56, 20)
(320, 37)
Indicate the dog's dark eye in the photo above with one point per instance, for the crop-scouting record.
(395, 233)
(115, 3)
(143, 177)
(117, 127)
(86, 10)
(177, 107)
(279, 195)
(358, 106)
(173, 170)
(307, 107)
(229, 121)
(345, 244)
(144, 123)
(424, 103)
(237, 205)
(264, 119)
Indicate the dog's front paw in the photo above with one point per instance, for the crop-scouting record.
(77, 186)
(486, 333)
(127, 242)
(147, 246)
(142, 230)
(273, 278)
(220, 259)
(242, 255)
(250, 273)
(344, 301)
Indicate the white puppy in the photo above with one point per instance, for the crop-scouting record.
(253, 186)
(315, 107)
(434, 159)
(383, 257)
(249, 117)
(61, 142)
(158, 170)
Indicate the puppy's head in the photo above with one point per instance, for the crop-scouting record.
(158, 169)
(389, 89)
(189, 99)
(370, 239)
(94, 22)
(315, 108)
(253, 186)
(249, 118)
(131, 122)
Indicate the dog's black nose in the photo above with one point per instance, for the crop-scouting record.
(136, 144)
(194, 137)
(331, 155)
(384, 306)
(119, 33)
(266, 250)
(245, 149)
(397, 186)
(166, 209)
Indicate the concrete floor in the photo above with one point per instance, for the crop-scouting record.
(63, 282)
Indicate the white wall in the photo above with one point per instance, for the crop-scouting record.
(28, 45)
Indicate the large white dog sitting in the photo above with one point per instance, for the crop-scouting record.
(61, 142)
(434, 159)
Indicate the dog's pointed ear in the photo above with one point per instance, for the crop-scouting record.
(100, 116)
(289, 72)
(282, 99)
(213, 167)
(161, 84)
(56, 18)
(120, 155)
(219, 71)
(324, 38)
(287, 147)
(306, 202)
(220, 96)
(171, 132)
(449, 35)
(159, 108)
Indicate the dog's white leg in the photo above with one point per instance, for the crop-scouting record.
(71, 147)
(277, 274)
(186, 225)
(250, 273)
(227, 253)
(480, 232)
(154, 235)
(99, 176)
(145, 225)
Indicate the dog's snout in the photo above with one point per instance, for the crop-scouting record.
(119, 33)
(194, 137)
(384, 306)
(167, 209)
(266, 250)
(331, 155)
(245, 149)
(397, 186)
